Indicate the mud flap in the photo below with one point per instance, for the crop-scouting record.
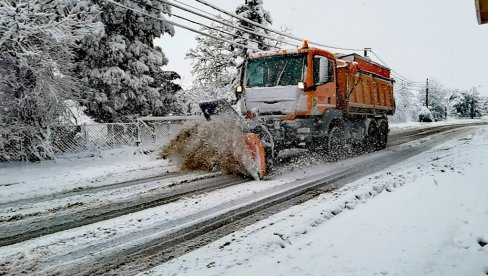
(258, 154)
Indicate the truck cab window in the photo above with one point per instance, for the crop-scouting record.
(322, 70)
(272, 71)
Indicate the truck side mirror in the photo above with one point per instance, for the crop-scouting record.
(303, 86)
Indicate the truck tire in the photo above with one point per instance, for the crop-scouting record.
(382, 136)
(372, 138)
(335, 143)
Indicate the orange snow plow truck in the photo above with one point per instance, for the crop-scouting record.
(310, 98)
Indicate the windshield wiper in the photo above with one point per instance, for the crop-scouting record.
(282, 72)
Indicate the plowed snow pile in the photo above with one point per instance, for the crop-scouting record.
(214, 145)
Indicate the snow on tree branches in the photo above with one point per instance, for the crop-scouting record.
(35, 54)
(215, 64)
(123, 67)
(467, 103)
(254, 11)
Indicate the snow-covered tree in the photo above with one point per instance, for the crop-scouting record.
(216, 64)
(467, 103)
(35, 53)
(254, 11)
(438, 95)
(484, 105)
(407, 106)
(123, 68)
(438, 98)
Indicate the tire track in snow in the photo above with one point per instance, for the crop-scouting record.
(12, 233)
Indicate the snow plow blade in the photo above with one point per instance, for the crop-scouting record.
(255, 147)
(219, 107)
(258, 154)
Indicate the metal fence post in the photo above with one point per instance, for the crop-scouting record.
(85, 135)
(138, 129)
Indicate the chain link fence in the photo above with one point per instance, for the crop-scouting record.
(150, 133)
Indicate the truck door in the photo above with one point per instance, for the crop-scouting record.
(324, 80)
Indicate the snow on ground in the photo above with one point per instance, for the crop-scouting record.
(20, 180)
(425, 216)
(395, 127)
(102, 199)
(38, 255)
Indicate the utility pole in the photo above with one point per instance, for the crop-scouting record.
(366, 51)
(427, 94)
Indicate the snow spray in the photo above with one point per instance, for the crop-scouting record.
(216, 145)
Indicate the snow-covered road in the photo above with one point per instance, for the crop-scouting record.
(425, 216)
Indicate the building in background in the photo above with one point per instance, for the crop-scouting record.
(482, 11)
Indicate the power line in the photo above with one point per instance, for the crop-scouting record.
(393, 70)
(271, 29)
(399, 79)
(206, 26)
(206, 12)
(408, 84)
(182, 26)
(227, 24)
(220, 30)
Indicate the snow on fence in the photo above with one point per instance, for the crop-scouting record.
(150, 132)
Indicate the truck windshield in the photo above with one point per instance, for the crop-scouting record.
(272, 71)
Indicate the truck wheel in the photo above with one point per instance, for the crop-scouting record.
(382, 136)
(372, 139)
(335, 143)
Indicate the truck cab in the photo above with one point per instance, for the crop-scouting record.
(289, 83)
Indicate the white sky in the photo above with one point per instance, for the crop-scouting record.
(438, 39)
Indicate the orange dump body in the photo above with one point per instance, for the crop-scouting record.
(369, 91)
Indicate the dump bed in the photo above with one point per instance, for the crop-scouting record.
(367, 65)
(370, 91)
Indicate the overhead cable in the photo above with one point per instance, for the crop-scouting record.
(384, 63)
(227, 24)
(271, 29)
(183, 26)
(222, 31)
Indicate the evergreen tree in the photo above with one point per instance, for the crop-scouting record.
(254, 11)
(122, 69)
